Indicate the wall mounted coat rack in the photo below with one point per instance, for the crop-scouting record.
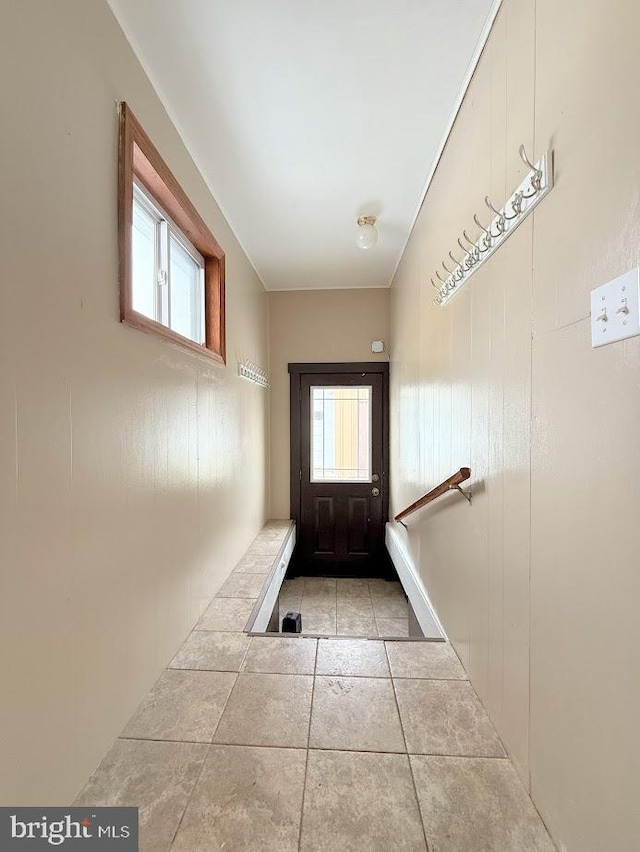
(536, 184)
(251, 371)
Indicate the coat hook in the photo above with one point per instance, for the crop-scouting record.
(468, 259)
(448, 285)
(501, 220)
(477, 248)
(459, 270)
(446, 268)
(516, 207)
(464, 248)
(536, 179)
(470, 255)
(488, 236)
(526, 160)
(487, 201)
(435, 285)
(480, 225)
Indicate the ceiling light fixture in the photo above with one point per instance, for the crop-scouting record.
(367, 235)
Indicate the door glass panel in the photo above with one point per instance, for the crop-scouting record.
(341, 434)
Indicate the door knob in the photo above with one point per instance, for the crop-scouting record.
(375, 491)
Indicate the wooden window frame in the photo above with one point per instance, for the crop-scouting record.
(139, 159)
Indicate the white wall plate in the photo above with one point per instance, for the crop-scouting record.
(615, 309)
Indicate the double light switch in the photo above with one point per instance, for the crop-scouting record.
(615, 309)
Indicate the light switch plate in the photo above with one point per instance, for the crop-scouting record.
(615, 309)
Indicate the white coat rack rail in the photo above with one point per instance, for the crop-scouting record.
(537, 183)
(251, 371)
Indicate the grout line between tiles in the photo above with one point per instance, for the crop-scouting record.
(430, 677)
(306, 760)
(191, 669)
(208, 745)
(404, 738)
(197, 781)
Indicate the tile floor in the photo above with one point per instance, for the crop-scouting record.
(346, 607)
(289, 743)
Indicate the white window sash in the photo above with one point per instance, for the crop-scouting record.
(165, 228)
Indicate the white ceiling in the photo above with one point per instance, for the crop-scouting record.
(304, 114)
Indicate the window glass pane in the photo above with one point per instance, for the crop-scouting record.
(143, 256)
(340, 434)
(186, 292)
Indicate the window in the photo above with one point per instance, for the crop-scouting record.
(167, 272)
(171, 266)
(340, 434)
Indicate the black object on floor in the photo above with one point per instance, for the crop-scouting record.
(292, 623)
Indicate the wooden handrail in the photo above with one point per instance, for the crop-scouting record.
(453, 482)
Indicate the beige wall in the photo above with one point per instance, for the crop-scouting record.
(132, 475)
(537, 583)
(309, 326)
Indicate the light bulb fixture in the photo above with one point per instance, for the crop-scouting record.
(367, 235)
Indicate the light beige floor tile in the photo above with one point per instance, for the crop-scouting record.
(318, 604)
(228, 614)
(268, 710)
(295, 586)
(385, 588)
(258, 556)
(354, 626)
(290, 601)
(319, 585)
(279, 655)
(156, 777)
(358, 802)
(182, 706)
(479, 804)
(445, 717)
(262, 549)
(271, 535)
(390, 606)
(352, 588)
(323, 624)
(242, 586)
(254, 565)
(354, 608)
(355, 714)
(266, 539)
(279, 525)
(212, 650)
(245, 799)
(392, 626)
(352, 658)
(424, 659)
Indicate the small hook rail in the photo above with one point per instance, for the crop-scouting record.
(251, 371)
(536, 184)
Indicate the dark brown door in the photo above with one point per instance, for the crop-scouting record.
(339, 452)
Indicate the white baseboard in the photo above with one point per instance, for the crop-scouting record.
(413, 586)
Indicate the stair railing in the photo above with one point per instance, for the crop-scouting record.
(451, 484)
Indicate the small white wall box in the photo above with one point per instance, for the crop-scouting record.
(615, 309)
(377, 346)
